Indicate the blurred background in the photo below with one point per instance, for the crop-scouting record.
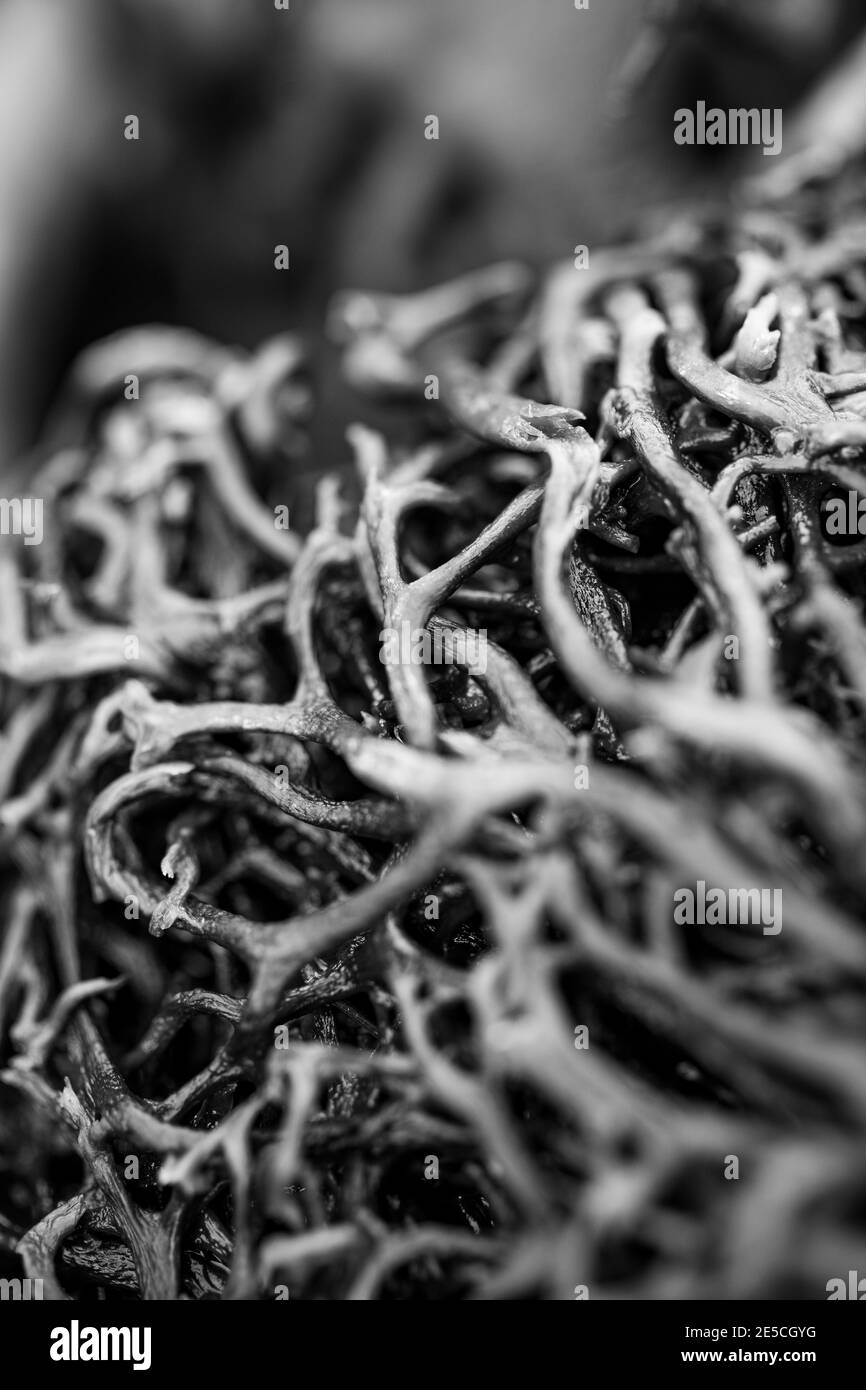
(305, 127)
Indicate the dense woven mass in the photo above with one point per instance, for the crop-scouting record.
(328, 976)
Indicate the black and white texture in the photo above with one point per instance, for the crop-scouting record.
(432, 851)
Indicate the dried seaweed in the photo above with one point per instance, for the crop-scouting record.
(324, 977)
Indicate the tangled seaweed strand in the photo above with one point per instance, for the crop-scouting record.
(299, 946)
